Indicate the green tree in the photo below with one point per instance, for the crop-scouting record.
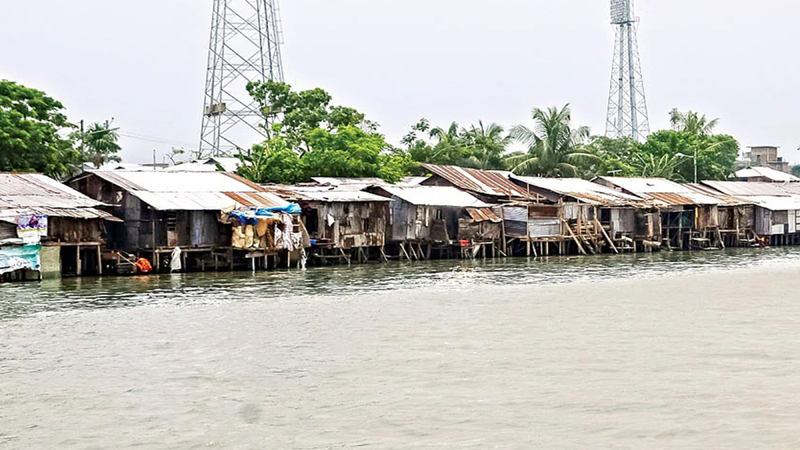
(32, 126)
(658, 167)
(615, 157)
(98, 144)
(554, 148)
(310, 137)
(272, 161)
(716, 154)
(486, 146)
(692, 123)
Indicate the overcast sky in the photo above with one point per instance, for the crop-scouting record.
(143, 62)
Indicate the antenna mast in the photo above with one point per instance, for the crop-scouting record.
(627, 104)
(244, 47)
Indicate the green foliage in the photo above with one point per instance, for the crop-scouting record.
(692, 123)
(272, 161)
(98, 144)
(310, 137)
(31, 127)
(477, 147)
(796, 170)
(554, 148)
(671, 153)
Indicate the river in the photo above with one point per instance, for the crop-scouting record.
(669, 350)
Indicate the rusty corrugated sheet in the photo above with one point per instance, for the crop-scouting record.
(33, 193)
(486, 182)
(483, 215)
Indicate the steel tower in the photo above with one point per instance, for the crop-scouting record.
(627, 104)
(244, 47)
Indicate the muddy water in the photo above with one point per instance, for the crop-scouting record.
(626, 352)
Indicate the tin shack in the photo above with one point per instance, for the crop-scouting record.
(775, 218)
(688, 218)
(435, 221)
(48, 229)
(342, 223)
(165, 210)
(579, 216)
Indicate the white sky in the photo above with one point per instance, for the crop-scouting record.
(143, 62)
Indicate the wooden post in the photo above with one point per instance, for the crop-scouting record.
(99, 261)
(78, 265)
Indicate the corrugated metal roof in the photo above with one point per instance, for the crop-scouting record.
(727, 200)
(483, 215)
(582, 190)
(766, 172)
(10, 215)
(31, 193)
(435, 196)
(167, 181)
(789, 203)
(192, 191)
(328, 194)
(486, 182)
(338, 182)
(662, 192)
(747, 189)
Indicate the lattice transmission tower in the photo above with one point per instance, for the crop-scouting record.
(245, 46)
(627, 104)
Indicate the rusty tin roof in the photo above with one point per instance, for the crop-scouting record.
(487, 182)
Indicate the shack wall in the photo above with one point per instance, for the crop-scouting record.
(355, 224)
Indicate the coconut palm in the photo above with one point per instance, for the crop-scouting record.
(485, 146)
(653, 167)
(98, 144)
(692, 123)
(449, 147)
(554, 148)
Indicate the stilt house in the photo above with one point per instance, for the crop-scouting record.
(342, 223)
(163, 210)
(48, 228)
(775, 219)
(579, 214)
(427, 219)
(688, 219)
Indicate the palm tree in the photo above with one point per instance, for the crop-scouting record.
(485, 146)
(98, 144)
(554, 148)
(663, 167)
(449, 147)
(692, 123)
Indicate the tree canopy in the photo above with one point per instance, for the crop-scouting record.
(554, 147)
(479, 146)
(32, 129)
(310, 137)
(98, 144)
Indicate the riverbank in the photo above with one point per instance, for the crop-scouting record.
(665, 350)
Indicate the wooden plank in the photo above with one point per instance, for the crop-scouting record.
(607, 237)
(574, 238)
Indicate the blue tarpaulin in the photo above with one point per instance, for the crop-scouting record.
(293, 208)
(250, 217)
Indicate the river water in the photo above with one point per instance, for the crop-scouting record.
(666, 351)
